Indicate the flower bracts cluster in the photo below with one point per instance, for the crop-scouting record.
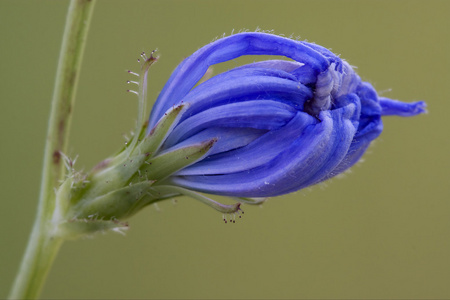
(277, 125)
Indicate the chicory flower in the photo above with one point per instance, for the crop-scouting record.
(256, 131)
(275, 126)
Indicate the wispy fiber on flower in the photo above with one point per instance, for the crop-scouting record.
(277, 125)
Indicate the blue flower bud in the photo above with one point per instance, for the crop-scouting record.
(277, 126)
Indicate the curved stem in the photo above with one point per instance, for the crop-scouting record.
(42, 247)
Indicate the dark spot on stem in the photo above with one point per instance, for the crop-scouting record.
(56, 157)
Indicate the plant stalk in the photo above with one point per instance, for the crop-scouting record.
(42, 246)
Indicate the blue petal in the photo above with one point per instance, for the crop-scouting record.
(349, 81)
(259, 152)
(358, 147)
(192, 69)
(227, 139)
(369, 100)
(259, 114)
(246, 84)
(303, 73)
(283, 65)
(332, 84)
(396, 108)
(369, 125)
(308, 160)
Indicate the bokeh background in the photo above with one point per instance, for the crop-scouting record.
(381, 232)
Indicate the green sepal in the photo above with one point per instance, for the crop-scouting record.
(175, 190)
(252, 201)
(125, 164)
(117, 204)
(128, 166)
(166, 164)
(77, 228)
(158, 134)
(115, 176)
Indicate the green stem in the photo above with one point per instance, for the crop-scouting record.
(39, 256)
(42, 246)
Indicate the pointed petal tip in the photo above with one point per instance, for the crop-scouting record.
(397, 108)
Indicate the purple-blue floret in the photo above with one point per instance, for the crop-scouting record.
(280, 125)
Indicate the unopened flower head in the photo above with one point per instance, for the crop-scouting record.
(256, 131)
(275, 126)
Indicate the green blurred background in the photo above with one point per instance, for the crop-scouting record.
(381, 232)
